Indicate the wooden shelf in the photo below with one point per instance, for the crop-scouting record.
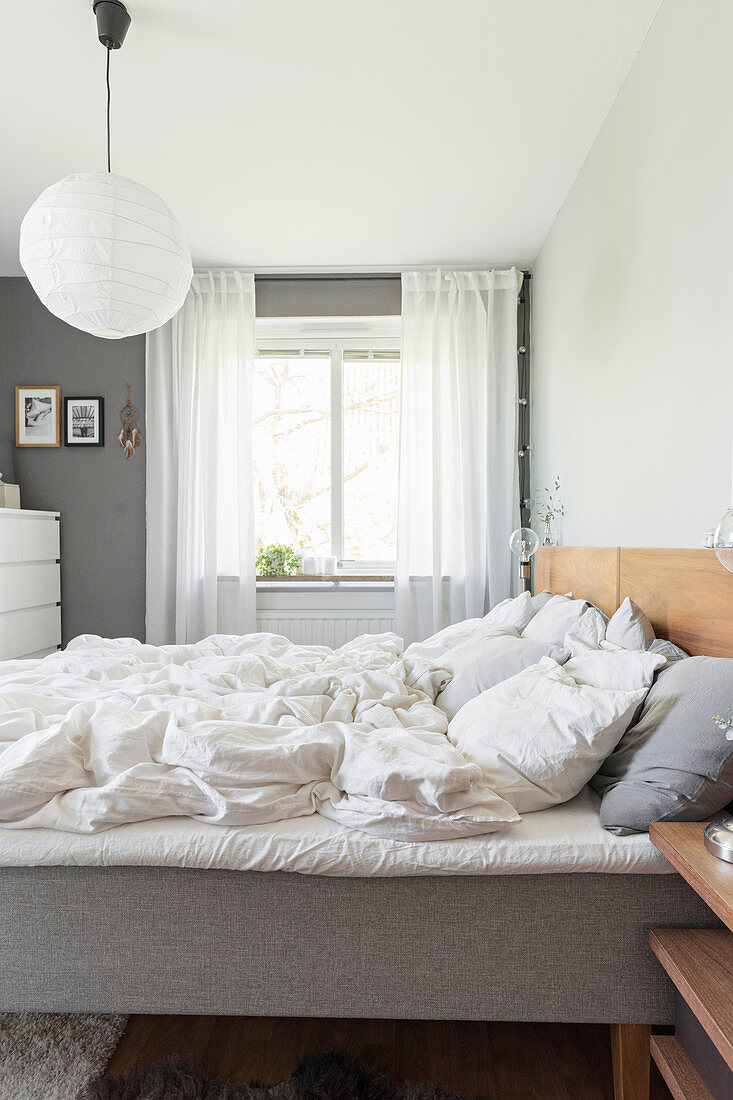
(700, 963)
(682, 843)
(683, 1080)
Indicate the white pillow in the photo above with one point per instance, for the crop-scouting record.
(449, 637)
(587, 633)
(516, 612)
(540, 736)
(629, 628)
(621, 670)
(552, 622)
(479, 664)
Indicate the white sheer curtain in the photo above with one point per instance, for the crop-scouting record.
(459, 480)
(200, 509)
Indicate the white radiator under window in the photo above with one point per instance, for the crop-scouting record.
(331, 615)
(323, 628)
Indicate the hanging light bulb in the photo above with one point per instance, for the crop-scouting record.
(104, 253)
(523, 543)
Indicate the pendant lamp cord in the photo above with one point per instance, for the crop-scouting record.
(109, 98)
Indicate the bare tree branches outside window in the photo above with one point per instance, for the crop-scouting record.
(292, 454)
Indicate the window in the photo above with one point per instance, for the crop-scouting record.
(326, 427)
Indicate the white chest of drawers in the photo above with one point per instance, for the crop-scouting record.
(30, 583)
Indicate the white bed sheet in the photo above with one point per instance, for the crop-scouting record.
(564, 839)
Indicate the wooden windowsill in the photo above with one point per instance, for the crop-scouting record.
(329, 578)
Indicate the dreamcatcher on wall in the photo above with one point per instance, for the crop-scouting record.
(129, 437)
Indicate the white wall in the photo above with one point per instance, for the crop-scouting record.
(632, 371)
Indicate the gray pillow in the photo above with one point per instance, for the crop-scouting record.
(668, 649)
(539, 601)
(675, 763)
(480, 664)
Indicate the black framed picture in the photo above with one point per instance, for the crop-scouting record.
(84, 421)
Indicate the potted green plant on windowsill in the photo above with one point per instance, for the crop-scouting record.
(277, 560)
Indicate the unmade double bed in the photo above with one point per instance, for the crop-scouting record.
(428, 883)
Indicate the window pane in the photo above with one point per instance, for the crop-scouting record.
(292, 452)
(371, 430)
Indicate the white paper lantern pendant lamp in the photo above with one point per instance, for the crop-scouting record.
(104, 253)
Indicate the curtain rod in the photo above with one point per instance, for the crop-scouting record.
(326, 276)
(300, 276)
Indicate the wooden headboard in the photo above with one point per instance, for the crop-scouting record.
(687, 594)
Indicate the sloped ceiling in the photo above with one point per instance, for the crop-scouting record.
(290, 133)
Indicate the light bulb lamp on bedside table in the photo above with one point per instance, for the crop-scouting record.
(523, 543)
(723, 541)
(718, 835)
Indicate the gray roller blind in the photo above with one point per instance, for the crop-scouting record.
(332, 296)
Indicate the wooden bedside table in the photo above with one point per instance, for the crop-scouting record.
(697, 1061)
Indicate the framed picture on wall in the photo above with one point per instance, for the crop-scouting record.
(84, 421)
(38, 416)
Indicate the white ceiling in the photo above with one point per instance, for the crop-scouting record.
(292, 133)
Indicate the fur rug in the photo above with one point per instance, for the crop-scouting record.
(325, 1075)
(53, 1055)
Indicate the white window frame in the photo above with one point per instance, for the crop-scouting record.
(334, 335)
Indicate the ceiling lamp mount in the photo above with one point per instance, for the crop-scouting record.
(113, 21)
(103, 253)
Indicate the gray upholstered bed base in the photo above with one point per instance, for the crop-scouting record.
(530, 947)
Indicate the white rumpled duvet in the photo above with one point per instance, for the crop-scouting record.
(236, 731)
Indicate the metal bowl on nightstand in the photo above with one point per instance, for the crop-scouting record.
(718, 838)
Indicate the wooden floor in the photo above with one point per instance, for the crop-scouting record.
(493, 1061)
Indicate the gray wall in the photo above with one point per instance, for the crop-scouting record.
(101, 497)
